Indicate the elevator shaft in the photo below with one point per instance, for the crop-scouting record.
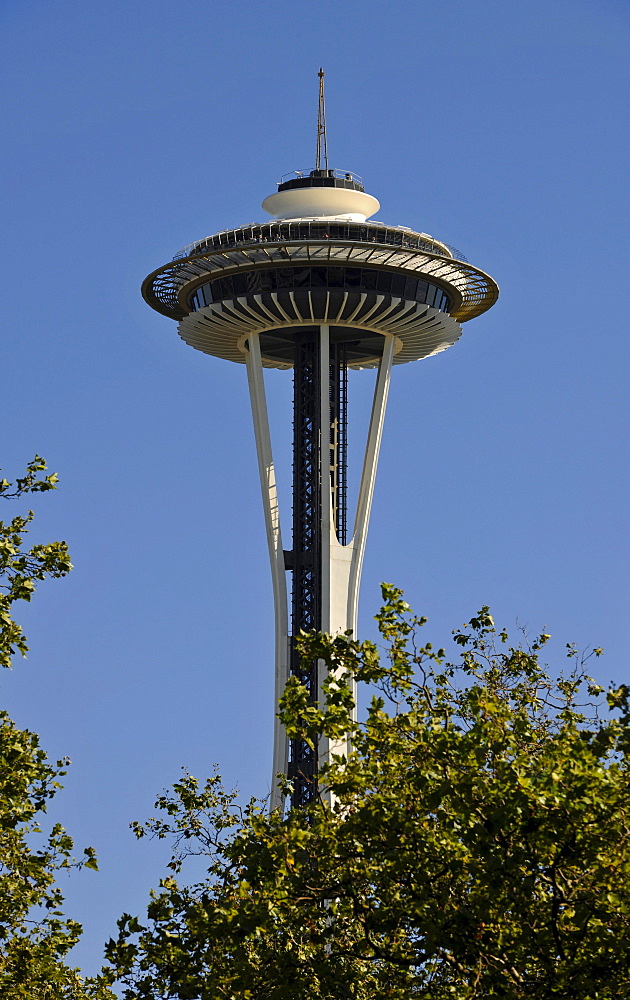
(319, 478)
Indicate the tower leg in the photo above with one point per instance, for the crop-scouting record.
(342, 563)
(276, 555)
(368, 479)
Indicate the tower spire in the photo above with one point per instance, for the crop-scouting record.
(321, 159)
(350, 294)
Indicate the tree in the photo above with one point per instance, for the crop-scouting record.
(35, 936)
(20, 570)
(478, 844)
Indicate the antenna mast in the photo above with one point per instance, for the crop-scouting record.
(322, 145)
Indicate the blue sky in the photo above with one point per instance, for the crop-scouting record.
(131, 129)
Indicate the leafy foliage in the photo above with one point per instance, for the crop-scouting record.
(19, 569)
(35, 936)
(475, 842)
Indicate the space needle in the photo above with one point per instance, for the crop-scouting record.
(319, 288)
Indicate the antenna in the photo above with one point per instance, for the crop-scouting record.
(322, 144)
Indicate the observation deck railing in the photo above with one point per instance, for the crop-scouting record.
(296, 231)
(344, 175)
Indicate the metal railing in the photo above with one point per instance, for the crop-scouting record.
(297, 231)
(347, 175)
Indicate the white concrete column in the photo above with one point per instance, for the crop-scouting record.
(342, 564)
(325, 496)
(368, 479)
(276, 554)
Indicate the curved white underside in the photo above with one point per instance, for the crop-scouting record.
(318, 202)
(222, 328)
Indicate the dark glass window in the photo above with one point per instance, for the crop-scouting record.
(301, 277)
(240, 284)
(398, 284)
(319, 277)
(253, 281)
(411, 288)
(227, 287)
(335, 277)
(368, 279)
(285, 277)
(351, 278)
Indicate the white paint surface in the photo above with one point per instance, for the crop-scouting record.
(321, 202)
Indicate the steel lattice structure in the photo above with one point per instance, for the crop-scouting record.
(304, 560)
(305, 557)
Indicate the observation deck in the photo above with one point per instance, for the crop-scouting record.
(345, 179)
(366, 276)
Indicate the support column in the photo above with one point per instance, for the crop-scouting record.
(344, 563)
(276, 555)
(368, 479)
